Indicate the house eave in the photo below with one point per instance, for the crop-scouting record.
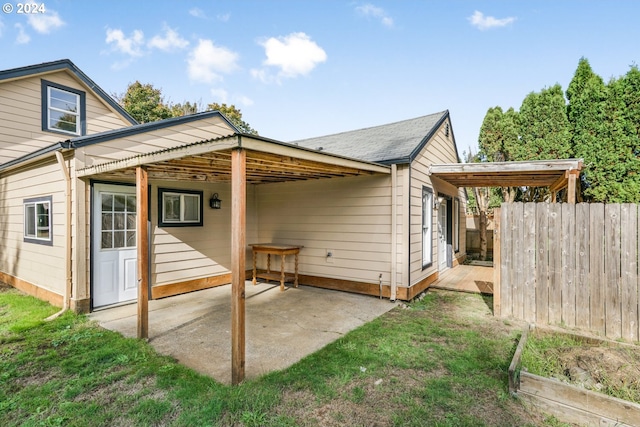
(34, 156)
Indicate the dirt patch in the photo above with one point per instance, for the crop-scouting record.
(605, 367)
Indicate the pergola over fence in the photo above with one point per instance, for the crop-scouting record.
(555, 174)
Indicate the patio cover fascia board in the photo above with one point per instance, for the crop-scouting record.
(238, 140)
(538, 173)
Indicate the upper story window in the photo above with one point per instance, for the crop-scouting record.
(63, 109)
(37, 220)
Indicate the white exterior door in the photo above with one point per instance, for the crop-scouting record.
(114, 252)
(442, 236)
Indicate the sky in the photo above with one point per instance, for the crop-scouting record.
(301, 69)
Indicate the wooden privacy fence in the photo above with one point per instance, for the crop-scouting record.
(572, 265)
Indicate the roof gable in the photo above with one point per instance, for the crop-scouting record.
(397, 142)
(71, 68)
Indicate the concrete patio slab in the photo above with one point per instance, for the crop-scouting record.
(281, 327)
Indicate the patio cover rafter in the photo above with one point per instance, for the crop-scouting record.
(210, 161)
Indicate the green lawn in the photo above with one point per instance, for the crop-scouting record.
(438, 361)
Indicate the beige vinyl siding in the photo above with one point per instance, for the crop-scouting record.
(156, 140)
(440, 149)
(185, 253)
(349, 216)
(39, 264)
(21, 111)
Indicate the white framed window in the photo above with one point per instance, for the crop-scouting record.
(179, 208)
(63, 109)
(456, 225)
(427, 227)
(37, 220)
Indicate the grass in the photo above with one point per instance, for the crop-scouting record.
(421, 365)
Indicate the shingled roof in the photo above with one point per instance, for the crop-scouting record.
(397, 142)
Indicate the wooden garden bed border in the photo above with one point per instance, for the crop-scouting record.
(567, 402)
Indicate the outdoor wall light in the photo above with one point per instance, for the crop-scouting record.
(437, 202)
(214, 202)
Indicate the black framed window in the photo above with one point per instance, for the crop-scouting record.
(179, 208)
(38, 224)
(63, 109)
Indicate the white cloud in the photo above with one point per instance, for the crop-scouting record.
(244, 100)
(482, 22)
(131, 46)
(220, 96)
(225, 17)
(46, 22)
(207, 61)
(197, 12)
(370, 10)
(23, 37)
(295, 54)
(169, 42)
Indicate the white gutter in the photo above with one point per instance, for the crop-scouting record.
(67, 247)
(394, 231)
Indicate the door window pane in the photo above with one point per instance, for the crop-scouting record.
(118, 225)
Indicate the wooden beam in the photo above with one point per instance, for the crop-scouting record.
(560, 183)
(238, 260)
(571, 187)
(143, 251)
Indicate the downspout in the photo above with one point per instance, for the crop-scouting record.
(394, 231)
(67, 248)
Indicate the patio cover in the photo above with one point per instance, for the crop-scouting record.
(555, 174)
(240, 159)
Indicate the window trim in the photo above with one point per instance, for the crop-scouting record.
(82, 113)
(35, 201)
(428, 204)
(181, 223)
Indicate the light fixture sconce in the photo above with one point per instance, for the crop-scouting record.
(214, 202)
(438, 201)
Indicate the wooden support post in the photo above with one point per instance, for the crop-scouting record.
(143, 251)
(238, 255)
(571, 187)
(497, 261)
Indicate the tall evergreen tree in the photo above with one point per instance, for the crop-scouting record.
(605, 120)
(544, 127)
(498, 141)
(587, 95)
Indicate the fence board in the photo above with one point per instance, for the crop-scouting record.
(497, 263)
(506, 302)
(568, 264)
(518, 261)
(582, 266)
(613, 307)
(596, 267)
(555, 258)
(542, 266)
(529, 265)
(578, 265)
(629, 271)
